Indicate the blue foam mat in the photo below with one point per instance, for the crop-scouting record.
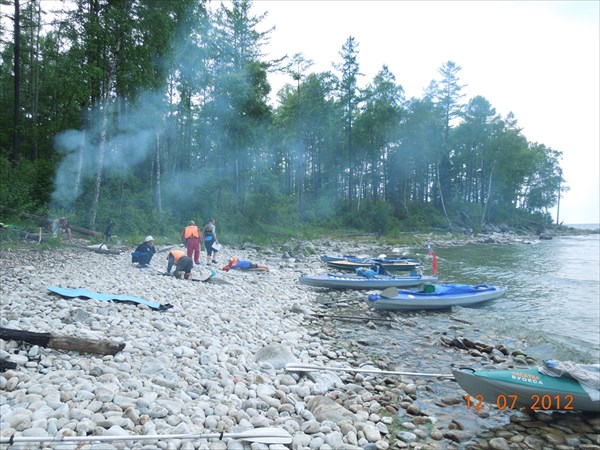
(72, 293)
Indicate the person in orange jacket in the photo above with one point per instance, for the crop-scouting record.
(183, 264)
(237, 264)
(192, 238)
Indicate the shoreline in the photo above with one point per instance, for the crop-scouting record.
(214, 362)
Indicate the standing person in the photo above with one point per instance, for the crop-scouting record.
(192, 238)
(210, 238)
(144, 252)
(108, 231)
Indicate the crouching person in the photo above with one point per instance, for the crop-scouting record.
(144, 252)
(183, 264)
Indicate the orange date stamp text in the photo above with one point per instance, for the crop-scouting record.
(511, 401)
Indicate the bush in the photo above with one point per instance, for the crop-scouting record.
(26, 187)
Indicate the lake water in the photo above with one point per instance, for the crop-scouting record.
(550, 311)
(553, 298)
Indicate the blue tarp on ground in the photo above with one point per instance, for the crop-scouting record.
(72, 293)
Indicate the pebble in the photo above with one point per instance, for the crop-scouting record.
(215, 361)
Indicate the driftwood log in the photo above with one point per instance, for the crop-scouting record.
(331, 316)
(102, 249)
(46, 221)
(6, 365)
(49, 340)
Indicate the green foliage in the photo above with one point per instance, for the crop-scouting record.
(174, 95)
(26, 187)
(422, 217)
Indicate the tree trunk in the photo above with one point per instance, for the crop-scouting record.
(46, 221)
(49, 340)
(489, 196)
(99, 168)
(35, 69)
(558, 206)
(442, 197)
(102, 249)
(17, 85)
(77, 180)
(158, 193)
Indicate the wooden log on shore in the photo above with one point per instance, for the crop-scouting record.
(45, 221)
(6, 365)
(331, 316)
(102, 249)
(100, 347)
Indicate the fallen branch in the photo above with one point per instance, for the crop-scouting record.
(6, 364)
(49, 340)
(46, 221)
(331, 316)
(101, 248)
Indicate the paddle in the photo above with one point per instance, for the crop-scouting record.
(212, 274)
(262, 435)
(298, 367)
(330, 316)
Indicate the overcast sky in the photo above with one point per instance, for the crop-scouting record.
(537, 59)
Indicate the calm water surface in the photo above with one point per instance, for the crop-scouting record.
(551, 309)
(553, 298)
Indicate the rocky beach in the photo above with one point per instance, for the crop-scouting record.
(214, 361)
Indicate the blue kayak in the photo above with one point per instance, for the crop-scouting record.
(353, 258)
(389, 264)
(442, 296)
(349, 281)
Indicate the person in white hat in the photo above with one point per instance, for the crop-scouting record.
(144, 252)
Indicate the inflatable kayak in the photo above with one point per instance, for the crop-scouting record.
(526, 388)
(442, 296)
(348, 281)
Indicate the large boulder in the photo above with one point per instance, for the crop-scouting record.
(275, 354)
(324, 408)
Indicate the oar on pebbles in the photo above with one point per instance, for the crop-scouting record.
(298, 367)
(333, 316)
(262, 435)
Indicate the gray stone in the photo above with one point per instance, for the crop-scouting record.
(371, 433)
(324, 408)
(277, 355)
(406, 436)
(498, 444)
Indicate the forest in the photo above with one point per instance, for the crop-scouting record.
(152, 113)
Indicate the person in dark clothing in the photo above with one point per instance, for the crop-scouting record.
(370, 272)
(210, 239)
(108, 231)
(144, 252)
(380, 270)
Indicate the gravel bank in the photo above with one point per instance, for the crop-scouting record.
(214, 362)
